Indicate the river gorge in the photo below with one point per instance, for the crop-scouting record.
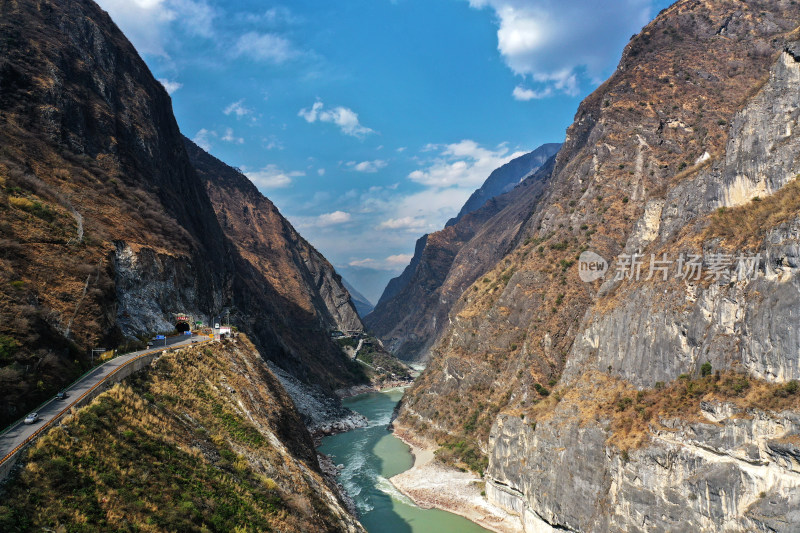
(369, 457)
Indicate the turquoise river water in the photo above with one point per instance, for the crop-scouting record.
(371, 455)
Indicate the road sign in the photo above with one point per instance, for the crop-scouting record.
(160, 337)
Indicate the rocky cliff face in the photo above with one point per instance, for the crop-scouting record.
(110, 225)
(272, 247)
(412, 313)
(689, 148)
(735, 470)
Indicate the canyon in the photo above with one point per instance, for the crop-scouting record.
(658, 394)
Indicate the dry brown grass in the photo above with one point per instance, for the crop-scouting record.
(745, 226)
(173, 449)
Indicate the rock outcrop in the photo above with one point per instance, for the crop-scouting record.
(732, 470)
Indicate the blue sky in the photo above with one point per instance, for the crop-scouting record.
(369, 122)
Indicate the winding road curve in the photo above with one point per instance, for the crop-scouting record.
(17, 436)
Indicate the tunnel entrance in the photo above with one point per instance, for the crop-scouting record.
(182, 327)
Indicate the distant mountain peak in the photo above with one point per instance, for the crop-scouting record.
(506, 177)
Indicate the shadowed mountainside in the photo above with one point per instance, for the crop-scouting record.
(412, 313)
(107, 231)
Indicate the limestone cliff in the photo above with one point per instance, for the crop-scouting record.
(556, 387)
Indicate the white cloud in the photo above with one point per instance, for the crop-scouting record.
(238, 109)
(464, 164)
(273, 16)
(197, 17)
(267, 47)
(272, 143)
(523, 94)
(399, 259)
(321, 171)
(170, 86)
(366, 262)
(230, 137)
(345, 118)
(392, 262)
(368, 166)
(272, 177)
(147, 23)
(553, 41)
(203, 139)
(405, 223)
(330, 219)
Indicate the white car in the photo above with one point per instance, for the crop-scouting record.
(32, 418)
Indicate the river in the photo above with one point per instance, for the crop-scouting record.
(371, 455)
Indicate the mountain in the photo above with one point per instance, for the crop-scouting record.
(111, 224)
(361, 303)
(639, 403)
(275, 252)
(110, 228)
(507, 177)
(412, 312)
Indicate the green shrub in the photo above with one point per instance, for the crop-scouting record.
(624, 403)
(787, 390)
(469, 425)
(541, 390)
(705, 369)
(8, 347)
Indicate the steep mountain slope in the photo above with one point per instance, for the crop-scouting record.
(500, 181)
(204, 440)
(106, 230)
(412, 313)
(285, 288)
(611, 414)
(507, 177)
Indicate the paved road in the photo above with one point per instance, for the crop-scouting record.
(18, 433)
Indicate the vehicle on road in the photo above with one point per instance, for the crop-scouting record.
(32, 418)
(61, 395)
